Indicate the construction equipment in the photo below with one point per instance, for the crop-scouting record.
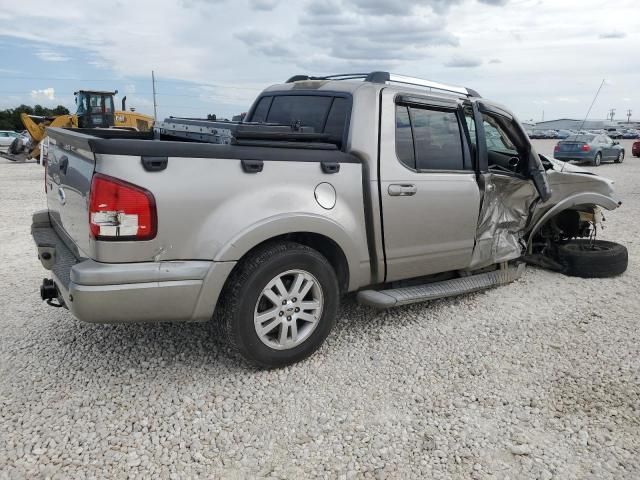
(95, 109)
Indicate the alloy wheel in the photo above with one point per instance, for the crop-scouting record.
(288, 309)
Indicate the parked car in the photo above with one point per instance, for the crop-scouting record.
(635, 150)
(397, 188)
(8, 136)
(631, 134)
(615, 134)
(537, 134)
(562, 134)
(589, 148)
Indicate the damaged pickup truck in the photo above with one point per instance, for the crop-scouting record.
(400, 189)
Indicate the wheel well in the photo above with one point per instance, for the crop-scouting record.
(326, 246)
(570, 222)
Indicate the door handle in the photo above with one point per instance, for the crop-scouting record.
(402, 190)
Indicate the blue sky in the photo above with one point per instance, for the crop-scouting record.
(215, 56)
(42, 73)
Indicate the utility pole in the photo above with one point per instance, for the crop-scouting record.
(612, 114)
(629, 113)
(155, 106)
(543, 115)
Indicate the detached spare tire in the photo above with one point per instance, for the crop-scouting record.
(593, 258)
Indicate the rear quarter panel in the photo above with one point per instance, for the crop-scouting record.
(209, 209)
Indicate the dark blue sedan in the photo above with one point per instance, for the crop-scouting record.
(589, 148)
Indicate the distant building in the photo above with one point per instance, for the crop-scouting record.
(571, 124)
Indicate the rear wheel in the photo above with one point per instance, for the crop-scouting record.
(620, 158)
(593, 259)
(280, 304)
(597, 160)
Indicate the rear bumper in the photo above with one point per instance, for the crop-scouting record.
(575, 156)
(129, 292)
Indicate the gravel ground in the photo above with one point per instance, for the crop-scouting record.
(538, 379)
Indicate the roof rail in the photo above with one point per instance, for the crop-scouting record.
(384, 77)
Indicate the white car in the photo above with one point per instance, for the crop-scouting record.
(8, 136)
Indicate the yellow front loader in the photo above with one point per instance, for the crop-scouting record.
(95, 109)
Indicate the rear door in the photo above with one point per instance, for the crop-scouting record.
(430, 197)
(70, 167)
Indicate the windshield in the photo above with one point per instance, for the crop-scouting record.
(94, 103)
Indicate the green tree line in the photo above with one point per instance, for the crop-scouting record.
(10, 118)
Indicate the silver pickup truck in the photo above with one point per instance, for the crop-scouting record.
(397, 188)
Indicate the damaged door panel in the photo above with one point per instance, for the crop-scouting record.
(507, 191)
(531, 164)
(506, 205)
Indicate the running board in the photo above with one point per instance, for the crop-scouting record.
(431, 291)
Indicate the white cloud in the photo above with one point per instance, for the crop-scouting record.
(552, 49)
(459, 61)
(44, 94)
(51, 56)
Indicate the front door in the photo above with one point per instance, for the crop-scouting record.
(430, 196)
(507, 184)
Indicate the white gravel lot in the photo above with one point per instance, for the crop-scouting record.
(538, 379)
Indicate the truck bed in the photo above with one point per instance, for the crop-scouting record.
(209, 198)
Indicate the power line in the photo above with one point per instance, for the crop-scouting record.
(592, 103)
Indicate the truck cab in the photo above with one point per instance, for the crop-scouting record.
(95, 109)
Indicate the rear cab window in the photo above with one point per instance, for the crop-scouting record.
(327, 114)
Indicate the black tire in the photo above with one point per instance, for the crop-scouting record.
(245, 286)
(16, 146)
(620, 157)
(597, 160)
(597, 259)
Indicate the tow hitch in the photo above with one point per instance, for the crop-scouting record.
(49, 293)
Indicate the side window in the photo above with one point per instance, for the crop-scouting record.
(438, 144)
(497, 138)
(404, 137)
(261, 110)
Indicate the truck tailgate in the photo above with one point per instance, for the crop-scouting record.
(68, 181)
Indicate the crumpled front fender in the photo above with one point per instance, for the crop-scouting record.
(585, 198)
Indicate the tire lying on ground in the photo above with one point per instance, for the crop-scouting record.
(593, 259)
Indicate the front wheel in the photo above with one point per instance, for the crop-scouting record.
(280, 304)
(597, 160)
(593, 258)
(620, 157)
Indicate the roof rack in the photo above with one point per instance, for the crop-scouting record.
(386, 77)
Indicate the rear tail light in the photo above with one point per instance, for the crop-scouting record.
(586, 148)
(120, 211)
(556, 148)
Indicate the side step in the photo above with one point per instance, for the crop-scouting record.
(431, 291)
